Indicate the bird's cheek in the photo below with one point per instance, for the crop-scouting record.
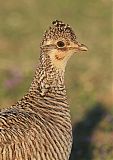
(60, 56)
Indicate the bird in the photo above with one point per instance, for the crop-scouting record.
(38, 126)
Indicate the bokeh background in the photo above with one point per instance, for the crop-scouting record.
(88, 75)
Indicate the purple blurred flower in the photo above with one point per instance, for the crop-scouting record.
(14, 78)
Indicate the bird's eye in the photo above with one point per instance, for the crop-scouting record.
(60, 44)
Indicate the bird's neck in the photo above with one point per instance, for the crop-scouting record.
(49, 101)
(48, 79)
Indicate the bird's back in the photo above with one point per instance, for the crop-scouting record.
(28, 131)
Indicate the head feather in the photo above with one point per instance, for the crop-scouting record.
(59, 30)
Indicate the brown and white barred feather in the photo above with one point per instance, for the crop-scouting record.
(39, 129)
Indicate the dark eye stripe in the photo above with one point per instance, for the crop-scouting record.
(60, 44)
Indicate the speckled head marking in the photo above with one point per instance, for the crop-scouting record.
(59, 30)
(60, 42)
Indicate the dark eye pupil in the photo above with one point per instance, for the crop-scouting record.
(60, 44)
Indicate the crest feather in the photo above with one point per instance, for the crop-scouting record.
(59, 30)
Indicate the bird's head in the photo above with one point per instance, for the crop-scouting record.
(59, 43)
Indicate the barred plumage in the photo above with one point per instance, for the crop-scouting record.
(38, 127)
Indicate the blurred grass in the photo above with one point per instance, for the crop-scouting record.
(88, 76)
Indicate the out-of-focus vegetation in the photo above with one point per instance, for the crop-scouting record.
(88, 75)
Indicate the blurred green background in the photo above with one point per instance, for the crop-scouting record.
(88, 75)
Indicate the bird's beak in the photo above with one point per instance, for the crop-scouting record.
(80, 47)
